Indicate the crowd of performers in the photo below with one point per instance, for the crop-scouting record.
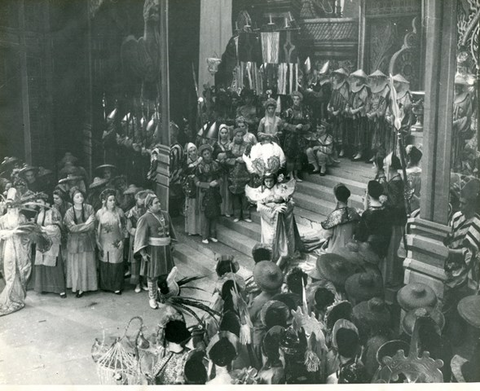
(281, 325)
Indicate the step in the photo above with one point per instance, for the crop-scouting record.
(252, 230)
(236, 240)
(325, 192)
(208, 251)
(329, 181)
(314, 204)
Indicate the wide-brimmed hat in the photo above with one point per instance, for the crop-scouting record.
(226, 264)
(176, 331)
(101, 167)
(339, 310)
(97, 182)
(70, 178)
(334, 268)
(132, 189)
(411, 317)
(363, 286)
(359, 73)
(8, 161)
(372, 315)
(290, 299)
(400, 79)
(26, 169)
(274, 313)
(416, 295)
(222, 348)
(377, 73)
(268, 276)
(262, 252)
(341, 71)
(469, 309)
(42, 171)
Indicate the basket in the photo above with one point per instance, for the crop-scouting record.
(118, 365)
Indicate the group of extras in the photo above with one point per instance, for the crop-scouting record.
(59, 236)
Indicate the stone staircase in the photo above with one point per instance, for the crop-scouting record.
(314, 200)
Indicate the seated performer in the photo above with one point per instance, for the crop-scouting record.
(319, 154)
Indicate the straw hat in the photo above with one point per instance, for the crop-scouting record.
(359, 73)
(416, 295)
(268, 276)
(372, 315)
(469, 309)
(378, 73)
(364, 286)
(101, 167)
(411, 317)
(334, 268)
(400, 79)
(97, 182)
(70, 178)
(390, 348)
(340, 71)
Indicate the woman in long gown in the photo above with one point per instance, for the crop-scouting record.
(153, 239)
(278, 226)
(110, 235)
(49, 267)
(192, 210)
(270, 125)
(81, 265)
(224, 146)
(16, 257)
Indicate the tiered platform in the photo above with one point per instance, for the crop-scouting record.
(314, 200)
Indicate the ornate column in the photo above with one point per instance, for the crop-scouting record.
(426, 252)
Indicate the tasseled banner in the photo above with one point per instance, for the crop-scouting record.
(312, 362)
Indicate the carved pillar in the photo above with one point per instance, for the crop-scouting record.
(361, 34)
(426, 252)
(24, 77)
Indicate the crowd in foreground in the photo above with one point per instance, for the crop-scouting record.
(279, 326)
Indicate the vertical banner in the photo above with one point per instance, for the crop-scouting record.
(215, 33)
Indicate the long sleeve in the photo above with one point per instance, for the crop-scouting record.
(82, 227)
(141, 235)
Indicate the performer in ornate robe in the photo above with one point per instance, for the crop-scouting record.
(153, 239)
(359, 94)
(238, 176)
(224, 146)
(404, 102)
(15, 256)
(192, 208)
(270, 125)
(336, 108)
(297, 123)
(375, 111)
(208, 178)
(340, 225)
(279, 229)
